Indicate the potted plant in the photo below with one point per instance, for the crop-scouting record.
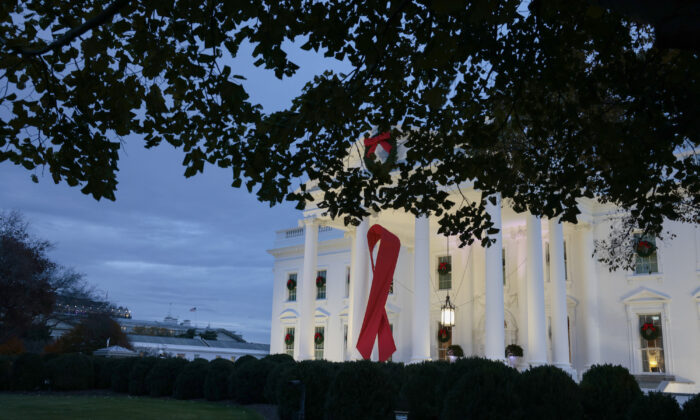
(454, 352)
(513, 352)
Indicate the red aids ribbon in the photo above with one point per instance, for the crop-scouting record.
(376, 323)
(379, 140)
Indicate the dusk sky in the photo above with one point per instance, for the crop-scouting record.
(166, 239)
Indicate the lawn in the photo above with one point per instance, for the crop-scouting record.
(99, 407)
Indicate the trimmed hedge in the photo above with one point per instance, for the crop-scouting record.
(691, 408)
(316, 376)
(421, 390)
(120, 375)
(547, 392)
(71, 372)
(6, 372)
(137, 375)
(654, 406)
(161, 378)
(361, 389)
(28, 372)
(190, 382)
(216, 381)
(608, 391)
(246, 383)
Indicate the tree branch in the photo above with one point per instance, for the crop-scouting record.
(105, 16)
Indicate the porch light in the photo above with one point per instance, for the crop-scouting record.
(447, 313)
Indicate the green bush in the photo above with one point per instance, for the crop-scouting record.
(28, 372)
(161, 379)
(190, 382)
(547, 392)
(360, 390)
(280, 363)
(120, 374)
(421, 390)
(103, 369)
(244, 359)
(138, 374)
(316, 377)
(654, 406)
(607, 392)
(691, 408)
(216, 381)
(5, 372)
(69, 372)
(485, 390)
(246, 383)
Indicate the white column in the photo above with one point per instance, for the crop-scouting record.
(590, 281)
(557, 275)
(421, 290)
(359, 282)
(308, 289)
(536, 334)
(494, 317)
(522, 287)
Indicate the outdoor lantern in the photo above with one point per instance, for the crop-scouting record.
(447, 313)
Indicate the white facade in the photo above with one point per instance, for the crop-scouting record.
(556, 301)
(196, 348)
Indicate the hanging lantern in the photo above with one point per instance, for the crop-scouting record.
(447, 313)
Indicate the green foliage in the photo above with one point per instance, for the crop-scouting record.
(316, 377)
(554, 109)
(421, 389)
(547, 392)
(209, 335)
(89, 335)
(485, 389)
(279, 358)
(69, 372)
(691, 408)
(103, 371)
(162, 376)
(246, 383)
(190, 382)
(608, 391)
(28, 372)
(361, 390)
(456, 350)
(244, 359)
(5, 371)
(514, 350)
(654, 406)
(280, 362)
(120, 375)
(216, 381)
(138, 374)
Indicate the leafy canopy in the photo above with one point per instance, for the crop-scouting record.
(544, 102)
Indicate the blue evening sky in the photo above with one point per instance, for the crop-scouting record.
(166, 239)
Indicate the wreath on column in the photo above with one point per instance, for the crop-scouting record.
(288, 339)
(291, 284)
(372, 163)
(318, 338)
(320, 281)
(644, 248)
(443, 335)
(444, 268)
(649, 331)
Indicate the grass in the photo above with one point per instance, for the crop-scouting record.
(84, 407)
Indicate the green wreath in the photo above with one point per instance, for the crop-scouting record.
(320, 281)
(376, 167)
(288, 339)
(318, 338)
(443, 335)
(291, 284)
(644, 248)
(649, 331)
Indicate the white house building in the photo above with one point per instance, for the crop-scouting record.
(538, 287)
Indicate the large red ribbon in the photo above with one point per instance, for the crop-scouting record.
(379, 140)
(376, 322)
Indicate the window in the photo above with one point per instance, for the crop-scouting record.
(445, 280)
(345, 341)
(566, 265)
(652, 350)
(318, 347)
(347, 281)
(391, 327)
(546, 262)
(646, 265)
(503, 260)
(289, 348)
(321, 291)
(442, 347)
(391, 287)
(292, 293)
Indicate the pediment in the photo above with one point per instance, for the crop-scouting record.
(645, 295)
(344, 312)
(321, 313)
(289, 314)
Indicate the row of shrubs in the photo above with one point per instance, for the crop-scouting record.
(468, 388)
